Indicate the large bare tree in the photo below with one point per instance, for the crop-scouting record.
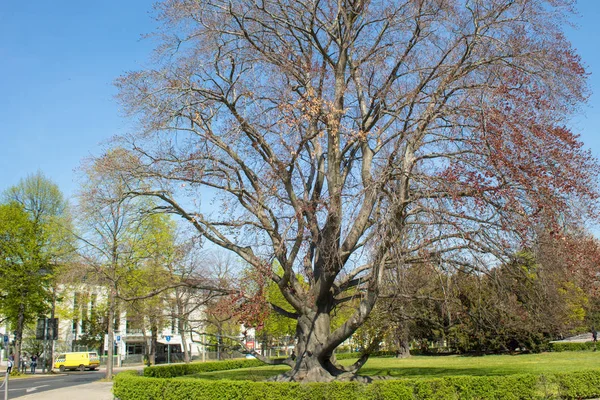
(344, 137)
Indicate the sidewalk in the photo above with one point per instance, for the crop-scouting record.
(584, 337)
(88, 391)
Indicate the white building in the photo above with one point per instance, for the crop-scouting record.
(84, 305)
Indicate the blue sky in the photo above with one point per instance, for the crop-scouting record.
(58, 60)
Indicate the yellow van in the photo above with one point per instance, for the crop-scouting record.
(79, 360)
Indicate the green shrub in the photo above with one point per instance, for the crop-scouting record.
(578, 385)
(346, 356)
(575, 385)
(393, 353)
(511, 387)
(431, 351)
(570, 346)
(174, 370)
(133, 372)
(379, 354)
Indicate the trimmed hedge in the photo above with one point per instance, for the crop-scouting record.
(555, 346)
(174, 370)
(578, 385)
(393, 353)
(571, 346)
(575, 385)
(379, 354)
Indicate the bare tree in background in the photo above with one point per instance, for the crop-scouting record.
(343, 137)
(112, 235)
(190, 303)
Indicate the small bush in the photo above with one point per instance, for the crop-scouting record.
(575, 385)
(571, 346)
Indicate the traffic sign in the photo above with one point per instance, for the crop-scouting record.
(5, 339)
(118, 338)
(168, 338)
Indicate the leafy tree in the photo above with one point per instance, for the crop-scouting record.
(40, 198)
(156, 252)
(575, 254)
(35, 242)
(518, 305)
(421, 303)
(521, 304)
(276, 326)
(25, 283)
(342, 138)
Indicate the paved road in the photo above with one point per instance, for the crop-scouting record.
(23, 386)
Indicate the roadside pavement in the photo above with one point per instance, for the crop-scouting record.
(89, 391)
(582, 338)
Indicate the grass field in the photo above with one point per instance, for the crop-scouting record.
(429, 367)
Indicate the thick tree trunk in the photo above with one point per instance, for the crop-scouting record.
(403, 348)
(403, 342)
(313, 363)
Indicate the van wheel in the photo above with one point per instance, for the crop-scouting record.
(61, 368)
(81, 368)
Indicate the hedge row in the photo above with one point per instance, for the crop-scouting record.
(174, 370)
(570, 346)
(393, 353)
(573, 385)
(380, 354)
(555, 346)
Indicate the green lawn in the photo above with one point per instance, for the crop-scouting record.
(427, 367)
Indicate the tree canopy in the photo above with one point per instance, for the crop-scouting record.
(344, 138)
(34, 245)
